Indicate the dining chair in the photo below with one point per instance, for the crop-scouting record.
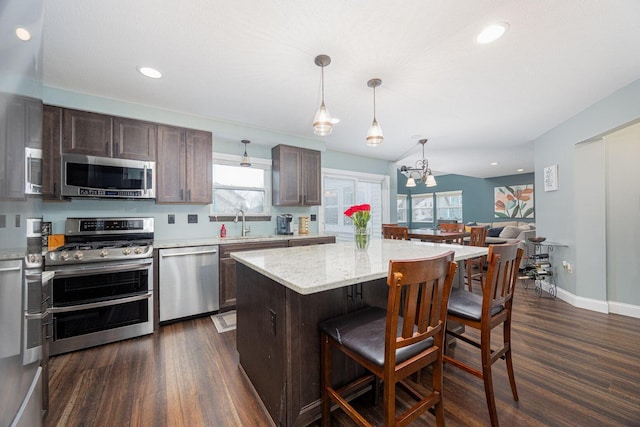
(394, 343)
(485, 313)
(453, 227)
(395, 232)
(476, 238)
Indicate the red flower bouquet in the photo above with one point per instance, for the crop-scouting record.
(359, 214)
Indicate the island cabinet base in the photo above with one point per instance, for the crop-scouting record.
(279, 344)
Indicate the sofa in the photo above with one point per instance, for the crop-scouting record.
(507, 231)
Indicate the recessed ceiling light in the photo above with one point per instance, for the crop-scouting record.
(23, 34)
(152, 73)
(492, 32)
(495, 163)
(520, 170)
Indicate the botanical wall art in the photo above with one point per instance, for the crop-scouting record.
(551, 178)
(514, 201)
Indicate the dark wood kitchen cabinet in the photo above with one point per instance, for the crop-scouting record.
(227, 268)
(296, 175)
(184, 162)
(51, 149)
(102, 135)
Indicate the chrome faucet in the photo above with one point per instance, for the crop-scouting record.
(245, 230)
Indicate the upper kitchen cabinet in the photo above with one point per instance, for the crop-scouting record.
(51, 139)
(296, 176)
(184, 166)
(101, 135)
(12, 144)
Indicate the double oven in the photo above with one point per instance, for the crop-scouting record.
(102, 289)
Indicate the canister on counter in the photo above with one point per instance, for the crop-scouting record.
(304, 225)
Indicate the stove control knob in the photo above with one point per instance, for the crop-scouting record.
(78, 255)
(64, 255)
(104, 253)
(137, 251)
(126, 251)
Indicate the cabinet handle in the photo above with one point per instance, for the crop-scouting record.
(106, 148)
(117, 153)
(55, 188)
(189, 193)
(181, 194)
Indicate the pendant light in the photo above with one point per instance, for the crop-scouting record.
(374, 136)
(246, 161)
(421, 171)
(322, 120)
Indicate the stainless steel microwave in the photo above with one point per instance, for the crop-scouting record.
(106, 177)
(32, 170)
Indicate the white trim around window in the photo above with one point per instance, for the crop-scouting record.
(401, 208)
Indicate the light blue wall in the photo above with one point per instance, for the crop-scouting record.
(226, 139)
(477, 193)
(557, 210)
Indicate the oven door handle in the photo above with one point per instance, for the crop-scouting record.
(103, 269)
(93, 305)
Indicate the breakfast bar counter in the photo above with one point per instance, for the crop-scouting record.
(282, 295)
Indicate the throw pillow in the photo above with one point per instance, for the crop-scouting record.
(494, 232)
(510, 232)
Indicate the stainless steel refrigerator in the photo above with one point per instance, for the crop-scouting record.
(21, 378)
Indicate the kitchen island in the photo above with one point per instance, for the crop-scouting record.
(282, 295)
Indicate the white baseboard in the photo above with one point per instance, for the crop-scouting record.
(624, 309)
(599, 305)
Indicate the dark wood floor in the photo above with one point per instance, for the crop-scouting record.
(573, 368)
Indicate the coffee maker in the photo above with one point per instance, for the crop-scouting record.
(284, 224)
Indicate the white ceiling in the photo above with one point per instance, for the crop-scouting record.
(252, 62)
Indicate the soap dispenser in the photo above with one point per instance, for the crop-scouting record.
(223, 231)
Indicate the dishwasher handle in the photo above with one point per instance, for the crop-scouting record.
(211, 251)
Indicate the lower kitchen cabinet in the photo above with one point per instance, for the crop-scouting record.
(228, 268)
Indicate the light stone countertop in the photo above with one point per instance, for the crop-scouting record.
(183, 243)
(12, 253)
(311, 269)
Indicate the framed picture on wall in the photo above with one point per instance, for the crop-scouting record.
(551, 178)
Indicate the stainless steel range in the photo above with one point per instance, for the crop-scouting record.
(102, 290)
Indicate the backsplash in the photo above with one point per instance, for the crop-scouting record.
(57, 213)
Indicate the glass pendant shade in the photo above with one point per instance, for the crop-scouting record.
(246, 161)
(374, 136)
(322, 121)
(411, 182)
(431, 180)
(322, 124)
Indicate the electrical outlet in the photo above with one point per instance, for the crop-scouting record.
(192, 218)
(313, 217)
(171, 219)
(3, 221)
(17, 220)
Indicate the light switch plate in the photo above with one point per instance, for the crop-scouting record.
(192, 218)
(171, 219)
(17, 220)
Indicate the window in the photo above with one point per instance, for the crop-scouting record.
(449, 205)
(236, 187)
(401, 207)
(341, 190)
(422, 207)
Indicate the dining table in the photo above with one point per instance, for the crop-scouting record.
(438, 236)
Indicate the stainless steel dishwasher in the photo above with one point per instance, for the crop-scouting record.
(188, 281)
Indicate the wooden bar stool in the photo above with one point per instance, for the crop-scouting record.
(486, 312)
(395, 232)
(477, 238)
(392, 346)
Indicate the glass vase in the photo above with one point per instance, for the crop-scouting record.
(362, 236)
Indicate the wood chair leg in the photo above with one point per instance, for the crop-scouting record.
(437, 373)
(469, 277)
(389, 403)
(509, 359)
(485, 350)
(325, 380)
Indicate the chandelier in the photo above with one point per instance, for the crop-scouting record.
(420, 172)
